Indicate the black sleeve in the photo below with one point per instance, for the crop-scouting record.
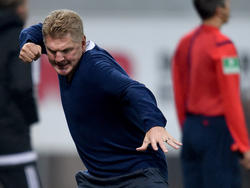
(16, 87)
(21, 87)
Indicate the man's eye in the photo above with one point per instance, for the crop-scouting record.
(53, 52)
(66, 51)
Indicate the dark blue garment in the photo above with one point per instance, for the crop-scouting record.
(207, 160)
(108, 114)
(144, 178)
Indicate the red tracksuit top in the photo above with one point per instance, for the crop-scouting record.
(206, 80)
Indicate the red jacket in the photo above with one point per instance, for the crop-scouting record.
(206, 80)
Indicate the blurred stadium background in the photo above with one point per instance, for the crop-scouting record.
(142, 36)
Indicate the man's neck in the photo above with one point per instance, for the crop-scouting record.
(214, 21)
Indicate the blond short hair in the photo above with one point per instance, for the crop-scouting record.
(62, 22)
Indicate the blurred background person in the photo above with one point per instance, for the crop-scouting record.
(207, 96)
(17, 104)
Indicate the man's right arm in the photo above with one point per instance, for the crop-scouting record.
(228, 74)
(31, 43)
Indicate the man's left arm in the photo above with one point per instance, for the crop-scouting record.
(140, 106)
(144, 104)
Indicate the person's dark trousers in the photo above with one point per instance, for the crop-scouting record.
(145, 178)
(20, 176)
(207, 160)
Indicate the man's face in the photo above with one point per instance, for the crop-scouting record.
(22, 10)
(64, 53)
(226, 11)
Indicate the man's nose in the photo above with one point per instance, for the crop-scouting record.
(59, 57)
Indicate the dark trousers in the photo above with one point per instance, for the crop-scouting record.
(145, 178)
(207, 160)
(20, 176)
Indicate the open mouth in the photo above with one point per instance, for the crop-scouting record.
(62, 66)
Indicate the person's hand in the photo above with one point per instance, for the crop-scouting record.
(158, 135)
(30, 52)
(245, 161)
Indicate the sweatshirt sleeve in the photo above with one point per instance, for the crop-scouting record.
(32, 34)
(138, 102)
(228, 74)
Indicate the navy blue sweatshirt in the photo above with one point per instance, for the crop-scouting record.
(108, 113)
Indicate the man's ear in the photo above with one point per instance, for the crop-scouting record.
(220, 12)
(84, 43)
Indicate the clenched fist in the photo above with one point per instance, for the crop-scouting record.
(30, 52)
(245, 161)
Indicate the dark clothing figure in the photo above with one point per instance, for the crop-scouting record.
(17, 108)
